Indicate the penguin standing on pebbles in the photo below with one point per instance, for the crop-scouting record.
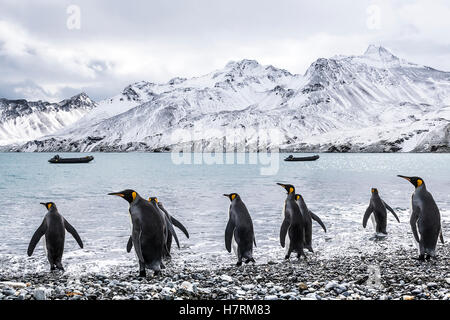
(292, 231)
(148, 231)
(170, 222)
(378, 207)
(53, 227)
(425, 218)
(239, 231)
(308, 217)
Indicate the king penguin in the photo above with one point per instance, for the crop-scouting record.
(148, 231)
(425, 217)
(378, 207)
(170, 220)
(239, 231)
(308, 216)
(53, 227)
(293, 227)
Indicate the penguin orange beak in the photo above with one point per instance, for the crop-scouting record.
(43, 203)
(404, 177)
(226, 195)
(116, 194)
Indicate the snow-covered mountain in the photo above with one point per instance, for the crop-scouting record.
(22, 120)
(375, 102)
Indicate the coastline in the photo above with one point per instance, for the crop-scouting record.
(379, 276)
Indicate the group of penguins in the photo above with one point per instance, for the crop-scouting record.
(153, 227)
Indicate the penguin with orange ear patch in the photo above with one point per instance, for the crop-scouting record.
(425, 219)
(170, 223)
(377, 209)
(53, 228)
(148, 231)
(292, 231)
(308, 217)
(239, 231)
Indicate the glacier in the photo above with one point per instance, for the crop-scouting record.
(374, 102)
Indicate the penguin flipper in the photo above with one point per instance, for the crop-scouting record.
(392, 211)
(413, 222)
(441, 236)
(367, 214)
(318, 220)
(36, 237)
(73, 232)
(283, 231)
(137, 247)
(129, 244)
(171, 230)
(168, 220)
(178, 224)
(254, 240)
(229, 230)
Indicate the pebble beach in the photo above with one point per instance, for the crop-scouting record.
(393, 276)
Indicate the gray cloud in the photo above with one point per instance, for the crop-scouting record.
(120, 42)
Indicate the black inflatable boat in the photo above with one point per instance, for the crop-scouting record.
(58, 159)
(311, 158)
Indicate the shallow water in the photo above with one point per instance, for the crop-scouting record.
(336, 188)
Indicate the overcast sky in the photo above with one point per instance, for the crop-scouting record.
(44, 55)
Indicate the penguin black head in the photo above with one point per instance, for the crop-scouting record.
(127, 194)
(232, 196)
(297, 196)
(153, 199)
(48, 205)
(416, 181)
(289, 187)
(374, 191)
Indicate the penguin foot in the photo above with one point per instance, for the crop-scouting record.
(157, 272)
(421, 257)
(142, 274)
(239, 263)
(162, 266)
(250, 260)
(286, 257)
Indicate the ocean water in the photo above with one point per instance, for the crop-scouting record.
(336, 188)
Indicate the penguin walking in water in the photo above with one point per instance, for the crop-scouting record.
(379, 218)
(239, 231)
(425, 219)
(308, 216)
(53, 227)
(292, 231)
(149, 231)
(170, 222)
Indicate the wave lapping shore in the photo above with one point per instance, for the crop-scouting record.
(390, 276)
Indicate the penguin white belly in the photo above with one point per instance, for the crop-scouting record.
(44, 244)
(131, 232)
(234, 245)
(287, 242)
(416, 244)
(374, 223)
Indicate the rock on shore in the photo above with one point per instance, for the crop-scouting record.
(395, 276)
